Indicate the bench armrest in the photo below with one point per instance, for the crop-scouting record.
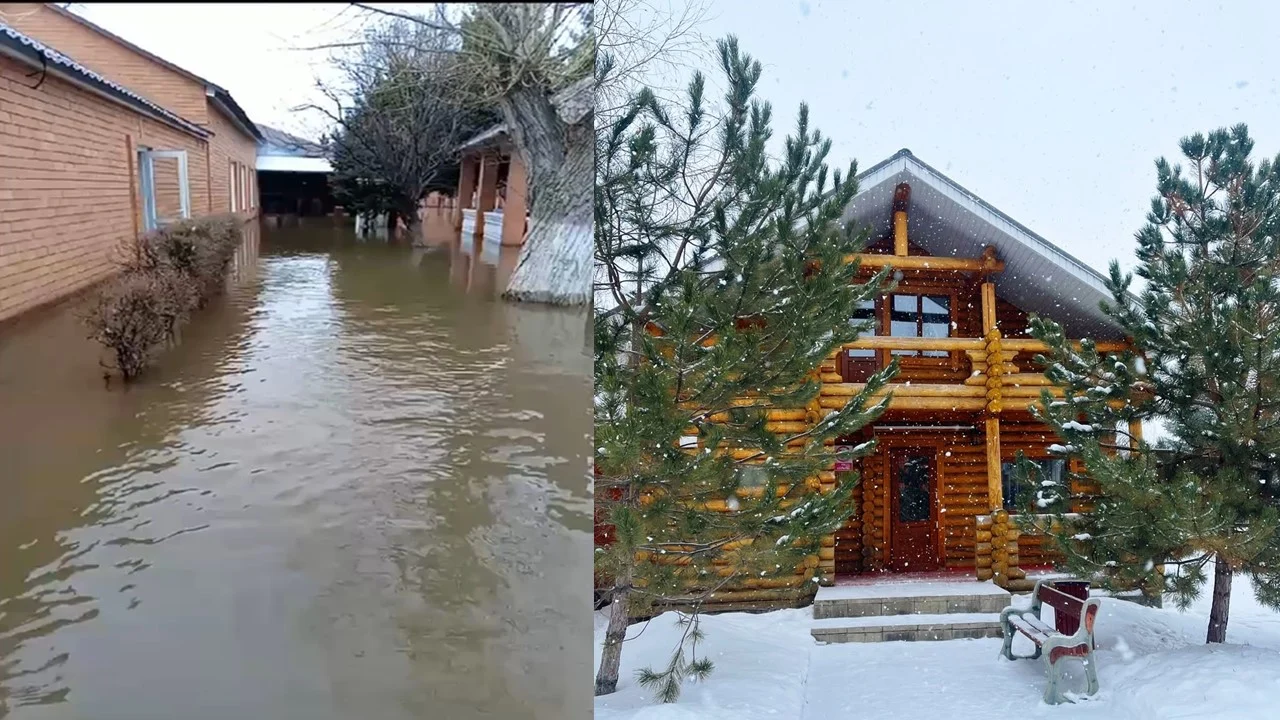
(1035, 597)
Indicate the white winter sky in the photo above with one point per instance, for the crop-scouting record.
(253, 50)
(1052, 112)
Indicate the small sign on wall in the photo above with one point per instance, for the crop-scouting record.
(843, 462)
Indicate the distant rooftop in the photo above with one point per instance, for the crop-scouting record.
(279, 142)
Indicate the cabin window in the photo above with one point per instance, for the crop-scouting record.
(752, 476)
(927, 316)
(1018, 498)
(865, 313)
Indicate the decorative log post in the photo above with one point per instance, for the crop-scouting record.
(995, 372)
(982, 547)
(1000, 547)
(901, 199)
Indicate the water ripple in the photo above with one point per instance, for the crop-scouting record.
(350, 491)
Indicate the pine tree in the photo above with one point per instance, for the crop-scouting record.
(722, 285)
(1205, 331)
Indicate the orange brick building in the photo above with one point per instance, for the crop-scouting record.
(101, 140)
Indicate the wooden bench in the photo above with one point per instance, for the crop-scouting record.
(1051, 644)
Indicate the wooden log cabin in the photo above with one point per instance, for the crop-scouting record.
(937, 495)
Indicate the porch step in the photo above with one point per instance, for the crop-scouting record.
(887, 599)
(946, 626)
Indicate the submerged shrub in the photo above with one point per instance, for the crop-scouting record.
(166, 274)
(137, 312)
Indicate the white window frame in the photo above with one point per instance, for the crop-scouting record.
(233, 185)
(147, 181)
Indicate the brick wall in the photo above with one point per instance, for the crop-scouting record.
(229, 144)
(67, 180)
(168, 89)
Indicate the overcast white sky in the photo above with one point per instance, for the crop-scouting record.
(1053, 112)
(250, 49)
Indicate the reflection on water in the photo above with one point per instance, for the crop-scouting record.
(357, 489)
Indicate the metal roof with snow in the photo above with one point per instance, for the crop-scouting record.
(947, 220)
(36, 54)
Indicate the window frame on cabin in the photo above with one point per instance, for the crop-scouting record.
(1008, 488)
(918, 314)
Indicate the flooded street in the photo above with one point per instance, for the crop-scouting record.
(357, 489)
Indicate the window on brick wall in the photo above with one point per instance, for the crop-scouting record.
(232, 180)
(162, 183)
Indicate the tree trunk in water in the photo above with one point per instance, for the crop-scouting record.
(611, 658)
(555, 263)
(414, 230)
(1221, 608)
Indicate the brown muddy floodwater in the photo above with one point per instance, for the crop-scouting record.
(357, 489)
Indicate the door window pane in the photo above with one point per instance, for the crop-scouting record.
(913, 489)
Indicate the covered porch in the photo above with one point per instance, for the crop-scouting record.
(493, 191)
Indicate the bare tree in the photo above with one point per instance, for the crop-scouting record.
(653, 44)
(399, 122)
(533, 63)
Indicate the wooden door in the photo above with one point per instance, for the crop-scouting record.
(912, 494)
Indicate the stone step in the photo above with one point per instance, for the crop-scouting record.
(946, 626)
(904, 599)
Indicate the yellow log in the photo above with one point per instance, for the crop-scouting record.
(1026, 379)
(900, 233)
(995, 488)
(973, 404)
(984, 573)
(890, 342)
(906, 390)
(1030, 345)
(923, 262)
(988, 300)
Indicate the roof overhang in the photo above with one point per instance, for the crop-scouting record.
(946, 220)
(293, 163)
(495, 136)
(35, 54)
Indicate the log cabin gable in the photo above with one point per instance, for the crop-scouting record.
(914, 211)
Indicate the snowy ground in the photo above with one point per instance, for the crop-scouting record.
(1152, 664)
